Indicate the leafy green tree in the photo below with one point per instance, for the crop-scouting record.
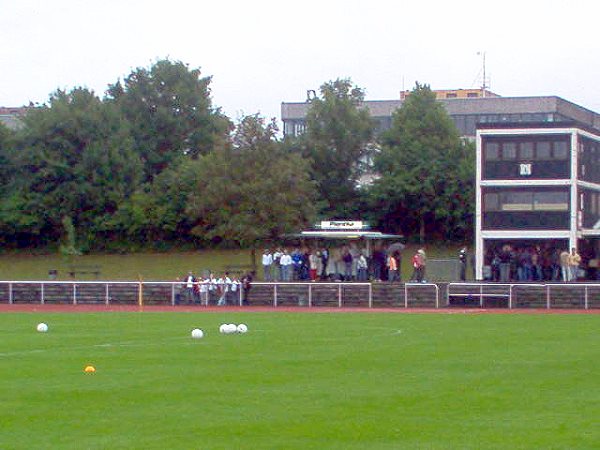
(74, 159)
(251, 191)
(426, 170)
(155, 214)
(170, 112)
(338, 133)
(6, 148)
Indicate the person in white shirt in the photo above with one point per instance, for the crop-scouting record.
(204, 291)
(361, 268)
(234, 290)
(286, 266)
(189, 281)
(277, 264)
(267, 262)
(225, 284)
(212, 288)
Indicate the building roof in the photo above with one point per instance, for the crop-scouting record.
(466, 106)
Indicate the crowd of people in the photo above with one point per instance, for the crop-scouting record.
(221, 291)
(533, 263)
(345, 263)
(351, 263)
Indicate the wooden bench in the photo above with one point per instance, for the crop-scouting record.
(94, 270)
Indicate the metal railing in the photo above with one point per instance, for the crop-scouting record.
(308, 294)
(532, 295)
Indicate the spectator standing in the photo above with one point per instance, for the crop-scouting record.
(225, 284)
(378, 263)
(392, 264)
(246, 286)
(361, 267)
(296, 264)
(204, 291)
(505, 258)
(347, 259)
(564, 266)
(177, 291)
(189, 281)
(574, 262)
(277, 264)
(324, 262)
(419, 265)
(235, 288)
(267, 262)
(313, 262)
(462, 257)
(286, 266)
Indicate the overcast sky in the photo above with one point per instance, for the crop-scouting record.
(263, 52)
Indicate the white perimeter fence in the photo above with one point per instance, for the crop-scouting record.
(306, 294)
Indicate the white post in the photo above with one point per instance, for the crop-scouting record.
(481, 296)
(405, 295)
(275, 294)
(74, 294)
(547, 296)
(478, 208)
(173, 294)
(340, 295)
(10, 293)
(106, 293)
(42, 293)
(370, 294)
(574, 210)
(309, 295)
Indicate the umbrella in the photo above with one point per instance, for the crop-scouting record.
(395, 247)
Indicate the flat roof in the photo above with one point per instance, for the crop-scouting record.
(371, 235)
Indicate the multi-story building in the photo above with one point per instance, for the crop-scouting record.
(537, 190)
(11, 116)
(538, 170)
(465, 109)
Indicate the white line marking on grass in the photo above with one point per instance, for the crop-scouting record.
(103, 345)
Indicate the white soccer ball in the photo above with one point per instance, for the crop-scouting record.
(197, 333)
(42, 327)
(242, 328)
(223, 328)
(231, 328)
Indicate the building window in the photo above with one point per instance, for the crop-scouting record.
(526, 150)
(472, 94)
(561, 150)
(492, 151)
(519, 201)
(509, 151)
(551, 201)
(451, 95)
(491, 202)
(543, 150)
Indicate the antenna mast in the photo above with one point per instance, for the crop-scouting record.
(484, 84)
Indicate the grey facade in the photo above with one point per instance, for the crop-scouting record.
(466, 113)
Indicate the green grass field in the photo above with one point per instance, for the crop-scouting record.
(300, 381)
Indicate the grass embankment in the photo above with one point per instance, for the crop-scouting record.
(157, 266)
(300, 381)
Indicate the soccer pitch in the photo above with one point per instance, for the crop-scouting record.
(300, 381)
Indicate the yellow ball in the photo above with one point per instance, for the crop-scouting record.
(89, 369)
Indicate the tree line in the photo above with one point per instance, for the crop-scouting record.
(153, 163)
